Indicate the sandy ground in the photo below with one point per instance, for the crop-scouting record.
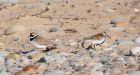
(87, 17)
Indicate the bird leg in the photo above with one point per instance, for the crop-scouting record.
(90, 47)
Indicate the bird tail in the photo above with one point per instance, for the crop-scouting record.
(50, 48)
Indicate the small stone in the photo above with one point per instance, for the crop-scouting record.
(25, 60)
(30, 68)
(108, 49)
(130, 61)
(37, 57)
(124, 45)
(45, 1)
(97, 73)
(54, 29)
(116, 20)
(13, 29)
(1, 34)
(2, 46)
(110, 10)
(21, 73)
(70, 30)
(97, 67)
(135, 51)
(136, 10)
(42, 60)
(41, 69)
(55, 58)
(53, 73)
(15, 38)
(14, 56)
(58, 43)
(137, 40)
(73, 43)
(4, 54)
(9, 49)
(118, 24)
(135, 73)
(4, 73)
(121, 24)
(2, 60)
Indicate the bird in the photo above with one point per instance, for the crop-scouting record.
(95, 40)
(36, 44)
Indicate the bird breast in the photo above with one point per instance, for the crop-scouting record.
(37, 45)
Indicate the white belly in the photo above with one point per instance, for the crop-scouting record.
(98, 41)
(37, 45)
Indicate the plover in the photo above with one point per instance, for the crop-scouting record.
(36, 44)
(94, 40)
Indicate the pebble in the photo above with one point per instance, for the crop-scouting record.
(12, 59)
(13, 29)
(25, 60)
(121, 41)
(110, 10)
(53, 73)
(135, 73)
(108, 49)
(130, 61)
(30, 68)
(137, 40)
(118, 24)
(42, 60)
(45, 1)
(2, 46)
(9, 49)
(97, 67)
(121, 24)
(116, 20)
(4, 54)
(21, 73)
(2, 60)
(56, 58)
(73, 43)
(135, 51)
(54, 29)
(37, 57)
(136, 10)
(58, 43)
(4, 73)
(97, 73)
(13, 56)
(41, 69)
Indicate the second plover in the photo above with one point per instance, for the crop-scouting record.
(94, 40)
(36, 44)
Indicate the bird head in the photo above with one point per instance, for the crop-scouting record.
(33, 35)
